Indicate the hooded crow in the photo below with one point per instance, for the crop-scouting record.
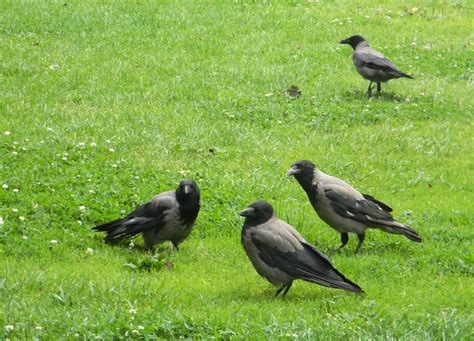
(344, 208)
(371, 64)
(169, 216)
(281, 255)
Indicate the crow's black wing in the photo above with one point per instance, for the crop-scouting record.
(378, 202)
(364, 210)
(304, 262)
(147, 216)
(375, 62)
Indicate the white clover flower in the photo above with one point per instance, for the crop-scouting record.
(64, 158)
(91, 191)
(7, 133)
(79, 222)
(82, 208)
(111, 150)
(1, 221)
(15, 153)
(132, 311)
(21, 218)
(39, 328)
(269, 94)
(53, 241)
(15, 210)
(140, 327)
(114, 165)
(136, 332)
(5, 186)
(89, 251)
(25, 237)
(49, 129)
(15, 190)
(9, 328)
(93, 144)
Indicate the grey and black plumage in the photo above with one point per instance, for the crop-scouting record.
(344, 208)
(371, 64)
(169, 216)
(281, 255)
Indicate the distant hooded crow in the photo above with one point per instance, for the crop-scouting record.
(344, 208)
(371, 64)
(281, 255)
(169, 216)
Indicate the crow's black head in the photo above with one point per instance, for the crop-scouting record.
(353, 41)
(187, 192)
(303, 171)
(188, 197)
(302, 168)
(258, 212)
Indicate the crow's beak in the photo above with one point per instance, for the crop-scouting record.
(248, 212)
(344, 41)
(187, 189)
(293, 171)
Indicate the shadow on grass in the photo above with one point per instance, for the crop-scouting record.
(296, 294)
(382, 96)
(372, 248)
(136, 245)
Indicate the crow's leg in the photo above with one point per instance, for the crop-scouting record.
(344, 240)
(287, 288)
(369, 90)
(280, 290)
(176, 246)
(172, 246)
(361, 240)
(379, 87)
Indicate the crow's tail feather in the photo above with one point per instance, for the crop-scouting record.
(410, 233)
(398, 228)
(343, 283)
(115, 230)
(110, 226)
(407, 76)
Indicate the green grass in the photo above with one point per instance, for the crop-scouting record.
(108, 103)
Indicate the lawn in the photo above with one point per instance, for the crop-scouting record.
(104, 104)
